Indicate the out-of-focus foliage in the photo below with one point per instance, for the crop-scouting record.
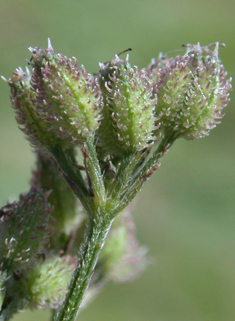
(186, 213)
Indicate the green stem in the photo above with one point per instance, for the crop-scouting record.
(93, 243)
(135, 184)
(154, 159)
(102, 216)
(72, 175)
(124, 173)
(94, 172)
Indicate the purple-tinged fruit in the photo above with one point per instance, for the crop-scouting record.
(129, 105)
(25, 229)
(192, 91)
(47, 283)
(58, 104)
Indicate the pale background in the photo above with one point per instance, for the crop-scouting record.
(186, 212)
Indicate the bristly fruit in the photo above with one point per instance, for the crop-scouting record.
(192, 92)
(25, 229)
(129, 104)
(23, 98)
(47, 282)
(58, 103)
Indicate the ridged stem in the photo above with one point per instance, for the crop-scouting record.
(89, 254)
(72, 175)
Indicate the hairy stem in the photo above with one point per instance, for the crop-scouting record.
(94, 172)
(94, 240)
(72, 175)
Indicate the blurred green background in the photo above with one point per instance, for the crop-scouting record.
(186, 212)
